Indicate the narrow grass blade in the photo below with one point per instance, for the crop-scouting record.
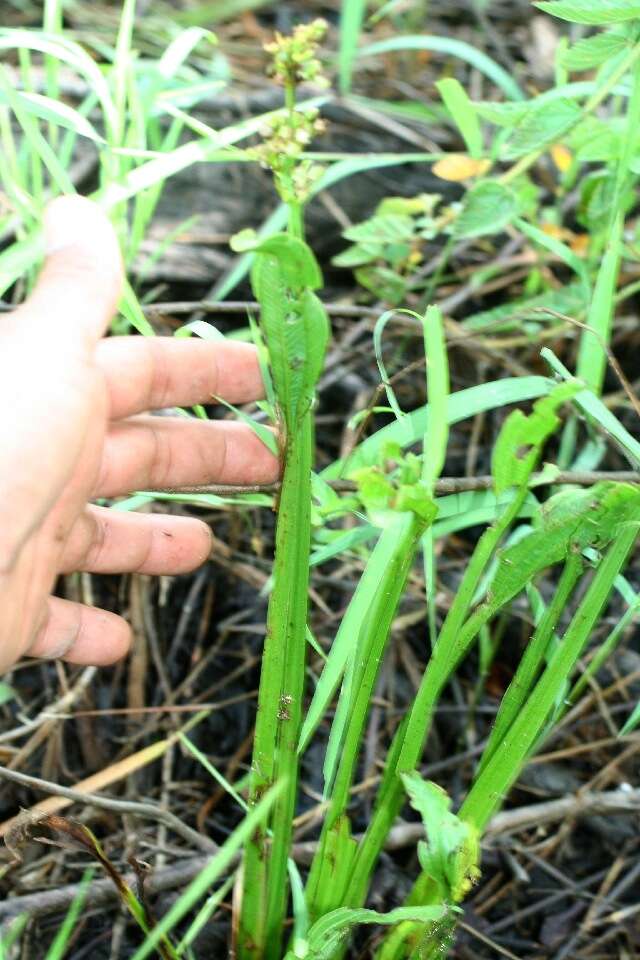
(595, 410)
(531, 663)
(344, 644)
(435, 440)
(463, 112)
(58, 948)
(204, 915)
(460, 406)
(351, 19)
(218, 865)
(496, 778)
(452, 48)
(209, 767)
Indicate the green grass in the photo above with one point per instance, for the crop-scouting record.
(138, 115)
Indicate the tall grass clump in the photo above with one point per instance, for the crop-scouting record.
(580, 540)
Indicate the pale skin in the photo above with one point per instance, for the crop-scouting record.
(76, 427)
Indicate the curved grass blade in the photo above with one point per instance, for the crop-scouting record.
(453, 48)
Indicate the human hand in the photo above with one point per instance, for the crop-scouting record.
(73, 428)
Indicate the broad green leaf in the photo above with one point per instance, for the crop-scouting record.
(295, 323)
(543, 124)
(593, 51)
(7, 693)
(329, 934)
(510, 114)
(487, 208)
(298, 264)
(519, 443)
(317, 332)
(463, 111)
(386, 284)
(595, 12)
(452, 850)
(387, 227)
(572, 519)
(334, 173)
(375, 490)
(595, 139)
(358, 254)
(506, 114)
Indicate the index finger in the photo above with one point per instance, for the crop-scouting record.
(149, 373)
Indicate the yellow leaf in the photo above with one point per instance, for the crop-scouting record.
(580, 244)
(562, 157)
(458, 166)
(558, 233)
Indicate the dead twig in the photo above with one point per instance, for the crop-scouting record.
(444, 486)
(147, 811)
(102, 893)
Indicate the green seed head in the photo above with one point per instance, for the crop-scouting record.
(294, 58)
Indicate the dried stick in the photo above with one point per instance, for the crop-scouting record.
(147, 811)
(103, 893)
(446, 485)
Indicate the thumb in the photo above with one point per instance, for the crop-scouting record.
(48, 386)
(80, 284)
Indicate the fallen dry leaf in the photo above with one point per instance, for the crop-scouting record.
(458, 166)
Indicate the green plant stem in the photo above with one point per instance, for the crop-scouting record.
(602, 655)
(295, 218)
(519, 688)
(279, 719)
(326, 888)
(592, 359)
(280, 706)
(408, 743)
(505, 765)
